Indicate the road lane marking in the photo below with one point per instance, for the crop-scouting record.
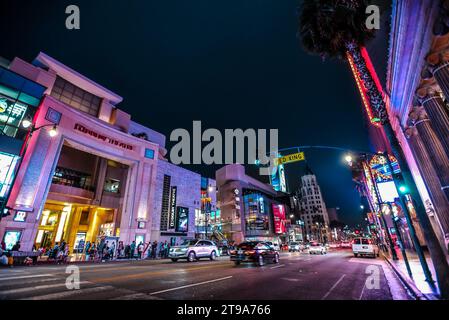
(290, 279)
(136, 296)
(363, 290)
(190, 285)
(279, 266)
(152, 273)
(333, 287)
(42, 287)
(69, 293)
(26, 277)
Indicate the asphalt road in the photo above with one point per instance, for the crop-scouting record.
(335, 276)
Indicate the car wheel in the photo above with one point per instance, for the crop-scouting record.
(213, 255)
(276, 258)
(355, 255)
(260, 261)
(236, 263)
(174, 259)
(191, 257)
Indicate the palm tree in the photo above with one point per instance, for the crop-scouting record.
(337, 29)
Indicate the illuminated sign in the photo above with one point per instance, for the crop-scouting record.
(387, 191)
(182, 224)
(289, 158)
(20, 216)
(279, 218)
(172, 213)
(101, 137)
(282, 178)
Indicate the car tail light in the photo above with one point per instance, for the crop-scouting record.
(233, 252)
(250, 252)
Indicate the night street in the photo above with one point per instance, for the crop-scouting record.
(334, 276)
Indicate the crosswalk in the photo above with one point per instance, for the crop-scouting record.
(47, 286)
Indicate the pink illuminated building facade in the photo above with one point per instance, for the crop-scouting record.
(98, 176)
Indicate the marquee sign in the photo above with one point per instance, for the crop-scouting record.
(104, 138)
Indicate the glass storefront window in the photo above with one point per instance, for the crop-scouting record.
(11, 237)
(7, 165)
(11, 116)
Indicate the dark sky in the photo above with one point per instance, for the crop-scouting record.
(230, 64)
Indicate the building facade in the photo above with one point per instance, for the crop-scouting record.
(417, 95)
(314, 213)
(250, 209)
(101, 175)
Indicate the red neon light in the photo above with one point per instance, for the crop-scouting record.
(362, 90)
(371, 70)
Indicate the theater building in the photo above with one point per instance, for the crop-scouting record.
(96, 177)
(250, 209)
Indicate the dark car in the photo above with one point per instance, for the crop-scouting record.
(254, 251)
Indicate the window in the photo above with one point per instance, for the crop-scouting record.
(7, 165)
(11, 116)
(149, 153)
(75, 97)
(72, 178)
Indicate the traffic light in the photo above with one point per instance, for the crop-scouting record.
(402, 189)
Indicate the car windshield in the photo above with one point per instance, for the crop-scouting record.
(189, 243)
(247, 245)
(293, 243)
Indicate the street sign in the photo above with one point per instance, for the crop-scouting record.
(290, 158)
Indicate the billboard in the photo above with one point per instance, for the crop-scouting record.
(172, 208)
(182, 221)
(387, 191)
(279, 218)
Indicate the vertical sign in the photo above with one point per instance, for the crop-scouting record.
(172, 212)
(182, 224)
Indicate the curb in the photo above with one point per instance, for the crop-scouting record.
(418, 295)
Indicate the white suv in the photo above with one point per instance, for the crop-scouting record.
(194, 250)
(364, 247)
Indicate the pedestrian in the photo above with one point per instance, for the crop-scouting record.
(165, 249)
(16, 247)
(132, 249)
(140, 250)
(120, 249)
(161, 250)
(154, 249)
(112, 250)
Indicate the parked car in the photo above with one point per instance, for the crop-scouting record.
(255, 252)
(275, 245)
(194, 250)
(294, 247)
(317, 248)
(364, 247)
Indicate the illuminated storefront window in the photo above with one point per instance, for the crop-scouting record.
(7, 164)
(11, 237)
(11, 116)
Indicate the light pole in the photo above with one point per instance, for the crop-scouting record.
(27, 124)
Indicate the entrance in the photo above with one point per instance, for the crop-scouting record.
(75, 224)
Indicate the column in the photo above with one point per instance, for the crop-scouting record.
(441, 74)
(433, 147)
(435, 108)
(430, 177)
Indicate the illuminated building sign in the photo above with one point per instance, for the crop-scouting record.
(182, 223)
(20, 216)
(371, 187)
(104, 138)
(387, 191)
(279, 218)
(172, 212)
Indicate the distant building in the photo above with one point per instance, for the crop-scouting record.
(313, 209)
(250, 209)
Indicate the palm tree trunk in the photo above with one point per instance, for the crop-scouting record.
(377, 103)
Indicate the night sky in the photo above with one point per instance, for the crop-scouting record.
(230, 64)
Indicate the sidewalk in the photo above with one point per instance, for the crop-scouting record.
(417, 283)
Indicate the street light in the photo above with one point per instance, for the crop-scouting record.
(26, 123)
(348, 159)
(362, 206)
(53, 131)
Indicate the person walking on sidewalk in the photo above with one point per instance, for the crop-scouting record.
(154, 249)
(139, 251)
(132, 249)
